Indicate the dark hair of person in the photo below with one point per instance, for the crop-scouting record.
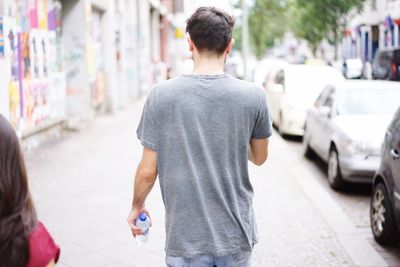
(210, 29)
(17, 212)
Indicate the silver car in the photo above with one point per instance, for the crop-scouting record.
(346, 127)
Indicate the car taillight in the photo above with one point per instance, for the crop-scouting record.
(394, 71)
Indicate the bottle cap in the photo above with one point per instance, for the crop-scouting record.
(143, 217)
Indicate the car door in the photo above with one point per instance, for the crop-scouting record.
(394, 160)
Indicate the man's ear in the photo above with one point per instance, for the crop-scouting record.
(230, 46)
(190, 43)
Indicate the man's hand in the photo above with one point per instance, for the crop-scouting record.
(145, 178)
(133, 215)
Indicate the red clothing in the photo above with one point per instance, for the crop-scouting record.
(42, 249)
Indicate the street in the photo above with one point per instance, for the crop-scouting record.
(82, 187)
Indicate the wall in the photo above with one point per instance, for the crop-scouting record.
(74, 29)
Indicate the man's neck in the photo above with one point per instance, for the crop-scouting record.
(208, 65)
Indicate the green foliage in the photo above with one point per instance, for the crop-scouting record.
(237, 35)
(267, 23)
(314, 20)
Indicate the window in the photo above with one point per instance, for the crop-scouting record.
(373, 5)
(326, 97)
(280, 77)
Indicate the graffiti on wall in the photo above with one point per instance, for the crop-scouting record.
(36, 83)
(1, 38)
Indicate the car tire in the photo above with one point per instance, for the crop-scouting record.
(308, 152)
(335, 177)
(383, 225)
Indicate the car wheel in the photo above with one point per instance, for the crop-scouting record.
(308, 152)
(335, 178)
(381, 216)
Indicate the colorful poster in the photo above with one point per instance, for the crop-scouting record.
(33, 14)
(2, 52)
(22, 15)
(42, 14)
(25, 56)
(41, 109)
(51, 15)
(38, 50)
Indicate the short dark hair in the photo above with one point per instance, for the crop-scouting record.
(210, 29)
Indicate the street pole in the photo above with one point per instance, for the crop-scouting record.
(245, 39)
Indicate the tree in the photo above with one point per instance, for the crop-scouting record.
(304, 24)
(315, 20)
(267, 23)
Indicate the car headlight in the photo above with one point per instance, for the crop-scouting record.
(366, 148)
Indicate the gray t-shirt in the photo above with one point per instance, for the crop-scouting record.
(201, 126)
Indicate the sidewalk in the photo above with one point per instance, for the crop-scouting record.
(82, 187)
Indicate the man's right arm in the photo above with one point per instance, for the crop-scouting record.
(258, 151)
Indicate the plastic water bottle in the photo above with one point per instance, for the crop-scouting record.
(143, 222)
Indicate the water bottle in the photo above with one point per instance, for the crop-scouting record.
(143, 222)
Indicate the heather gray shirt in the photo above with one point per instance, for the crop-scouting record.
(201, 126)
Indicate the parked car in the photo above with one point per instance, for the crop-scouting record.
(354, 67)
(265, 68)
(385, 201)
(346, 127)
(292, 90)
(385, 65)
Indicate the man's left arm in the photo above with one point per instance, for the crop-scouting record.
(146, 175)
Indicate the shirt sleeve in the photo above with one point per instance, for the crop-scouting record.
(42, 248)
(263, 126)
(147, 129)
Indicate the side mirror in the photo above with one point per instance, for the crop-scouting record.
(325, 111)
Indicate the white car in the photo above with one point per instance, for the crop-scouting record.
(293, 90)
(346, 128)
(354, 68)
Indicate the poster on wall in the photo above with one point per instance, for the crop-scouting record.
(2, 53)
(33, 14)
(31, 77)
(39, 110)
(42, 14)
(39, 53)
(11, 51)
(22, 15)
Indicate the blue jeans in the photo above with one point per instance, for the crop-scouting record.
(241, 259)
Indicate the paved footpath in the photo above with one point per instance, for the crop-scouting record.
(82, 188)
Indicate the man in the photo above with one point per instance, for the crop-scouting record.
(198, 132)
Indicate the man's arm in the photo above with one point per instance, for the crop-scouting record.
(146, 175)
(258, 151)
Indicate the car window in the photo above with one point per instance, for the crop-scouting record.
(385, 58)
(358, 101)
(325, 98)
(280, 77)
(329, 99)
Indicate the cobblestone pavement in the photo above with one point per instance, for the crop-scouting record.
(82, 187)
(354, 201)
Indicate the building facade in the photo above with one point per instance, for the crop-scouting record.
(376, 27)
(68, 60)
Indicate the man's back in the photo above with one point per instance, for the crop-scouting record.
(201, 126)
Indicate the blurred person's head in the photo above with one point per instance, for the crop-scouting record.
(210, 32)
(17, 213)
